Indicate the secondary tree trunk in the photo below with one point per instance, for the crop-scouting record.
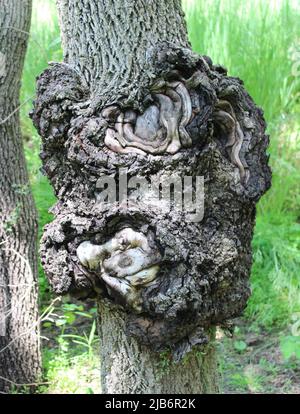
(20, 361)
(108, 42)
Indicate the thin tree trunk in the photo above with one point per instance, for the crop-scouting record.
(108, 42)
(20, 361)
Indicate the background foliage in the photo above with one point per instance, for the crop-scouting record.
(258, 41)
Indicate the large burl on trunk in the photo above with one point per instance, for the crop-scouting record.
(132, 103)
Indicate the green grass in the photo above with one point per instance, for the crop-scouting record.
(44, 46)
(255, 41)
(72, 365)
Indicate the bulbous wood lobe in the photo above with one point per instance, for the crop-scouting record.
(194, 121)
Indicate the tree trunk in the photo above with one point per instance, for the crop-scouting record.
(20, 361)
(133, 108)
(108, 42)
(130, 368)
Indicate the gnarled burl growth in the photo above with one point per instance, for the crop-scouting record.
(225, 117)
(126, 263)
(161, 128)
(173, 278)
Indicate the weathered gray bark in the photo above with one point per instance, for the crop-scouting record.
(131, 93)
(130, 368)
(20, 361)
(108, 42)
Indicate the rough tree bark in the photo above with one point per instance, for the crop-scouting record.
(20, 361)
(130, 368)
(132, 100)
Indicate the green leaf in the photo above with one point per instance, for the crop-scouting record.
(290, 346)
(80, 343)
(70, 317)
(70, 307)
(240, 345)
(92, 333)
(60, 322)
(85, 314)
